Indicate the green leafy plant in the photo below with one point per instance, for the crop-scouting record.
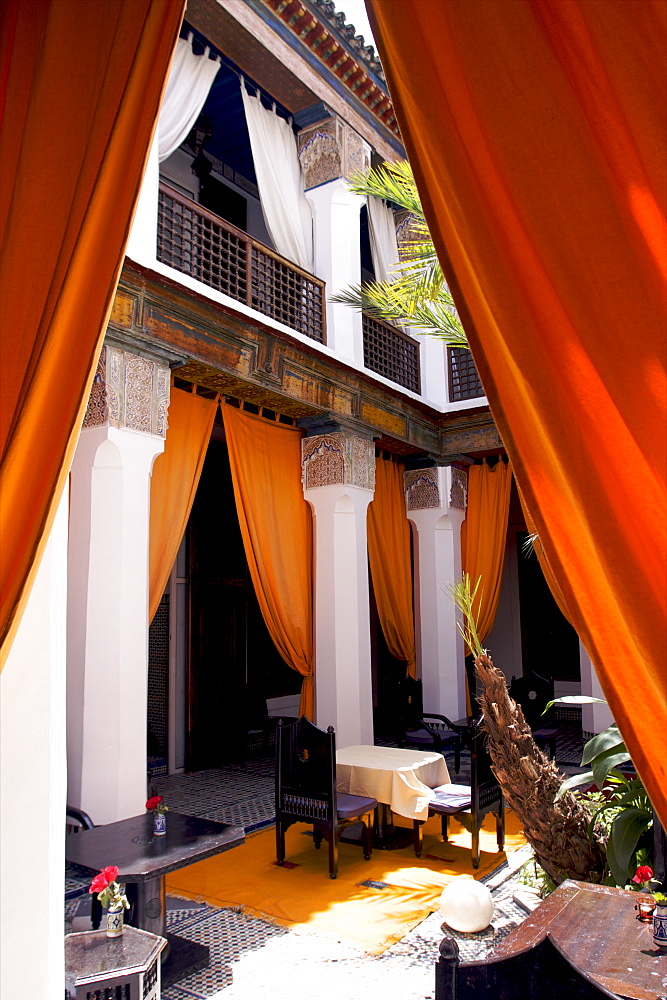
(535, 877)
(418, 297)
(624, 808)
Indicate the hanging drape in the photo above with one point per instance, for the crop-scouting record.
(390, 562)
(285, 207)
(174, 482)
(545, 566)
(276, 527)
(382, 234)
(190, 79)
(74, 137)
(536, 133)
(484, 537)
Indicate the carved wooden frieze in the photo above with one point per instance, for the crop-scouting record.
(129, 391)
(338, 459)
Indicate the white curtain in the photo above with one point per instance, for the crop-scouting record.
(286, 209)
(189, 82)
(382, 233)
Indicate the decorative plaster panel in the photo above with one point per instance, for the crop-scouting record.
(321, 158)
(338, 459)
(331, 149)
(458, 493)
(96, 412)
(421, 489)
(129, 391)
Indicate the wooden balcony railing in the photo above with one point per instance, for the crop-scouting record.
(196, 242)
(390, 352)
(464, 382)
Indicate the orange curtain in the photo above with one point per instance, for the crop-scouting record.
(545, 566)
(174, 482)
(80, 89)
(389, 557)
(277, 532)
(536, 131)
(484, 537)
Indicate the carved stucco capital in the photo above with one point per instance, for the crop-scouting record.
(130, 392)
(432, 488)
(331, 149)
(458, 490)
(338, 459)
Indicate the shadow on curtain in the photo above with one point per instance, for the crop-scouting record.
(536, 134)
(176, 474)
(276, 526)
(389, 557)
(82, 88)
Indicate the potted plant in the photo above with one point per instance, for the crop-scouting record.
(112, 898)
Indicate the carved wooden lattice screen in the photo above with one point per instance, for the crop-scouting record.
(464, 382)
(391, 353)
(196, 242)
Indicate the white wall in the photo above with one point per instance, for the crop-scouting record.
(32, 786)
(108, 621)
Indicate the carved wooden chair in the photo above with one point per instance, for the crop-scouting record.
(427, 731)
(542, 972)
(482, 796)
(306, 790)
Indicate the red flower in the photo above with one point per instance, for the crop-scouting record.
(155, 801)
(105, 878)
(643, 874)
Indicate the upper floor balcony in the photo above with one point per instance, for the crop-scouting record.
(195, 241)
(198, 243)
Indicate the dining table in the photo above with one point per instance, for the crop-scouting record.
(402, 781)
(143, 860)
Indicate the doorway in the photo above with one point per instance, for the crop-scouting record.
(231, 666)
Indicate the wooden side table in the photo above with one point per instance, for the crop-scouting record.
(127, 966)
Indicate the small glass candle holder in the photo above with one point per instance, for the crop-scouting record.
(645, 907)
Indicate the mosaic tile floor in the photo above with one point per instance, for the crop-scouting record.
(252, 958)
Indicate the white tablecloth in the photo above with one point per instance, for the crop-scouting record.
(402, 779)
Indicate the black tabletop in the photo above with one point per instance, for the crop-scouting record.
(139, 855)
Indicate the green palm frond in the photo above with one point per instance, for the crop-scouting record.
(393, 182)
(418, 298)
(463, 594)
(382, 301)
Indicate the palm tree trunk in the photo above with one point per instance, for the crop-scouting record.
(556, 830)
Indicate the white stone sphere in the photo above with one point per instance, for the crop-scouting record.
(466, 905)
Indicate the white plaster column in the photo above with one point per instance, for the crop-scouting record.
(108, 585)
(594, 718)
(32, 784)
(329, 152)
(436, 504)
(142, 241)
(338, 261)
(339, 482)
(434, 368)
